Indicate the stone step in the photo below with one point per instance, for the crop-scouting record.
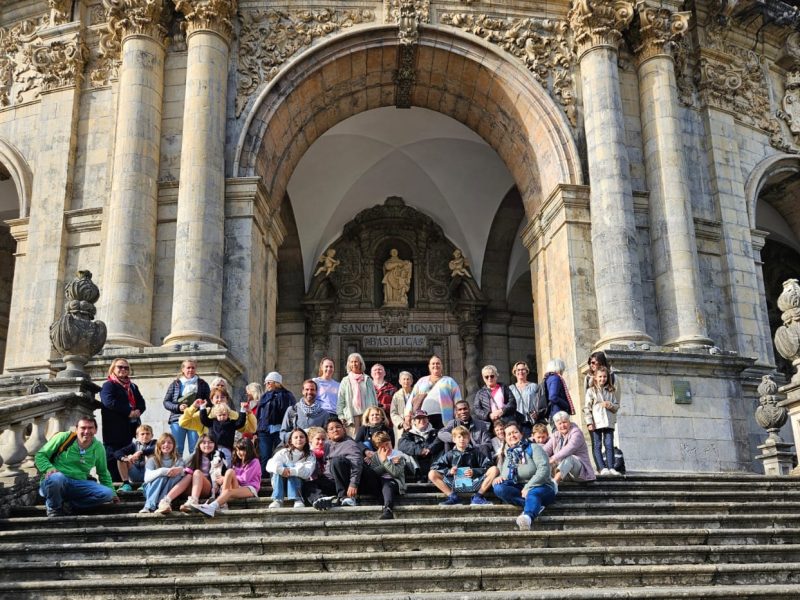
(435, 519)
(408, 581)
(188, 562)
(250, 544)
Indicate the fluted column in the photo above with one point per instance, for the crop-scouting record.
(674, 249)
(597, 25)
(131, 224)
(200, 232)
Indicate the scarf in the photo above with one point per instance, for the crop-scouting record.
(566, 392)
(518, 455)
(310, 411)
(127, 387)
(358, 401)
(421, 432)
(497, 399)
(188, 385)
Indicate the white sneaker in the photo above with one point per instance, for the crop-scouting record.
(187, 506)
(164, 507)
(299, 504)
(145, 510)
(208, 510)
(223, 509)
(524, 522)
(614, 472)
(349, 502)
(604, 472)
(275, 504)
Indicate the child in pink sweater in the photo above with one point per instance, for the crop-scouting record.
(242, 481)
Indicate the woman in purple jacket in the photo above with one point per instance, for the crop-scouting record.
(568, 451)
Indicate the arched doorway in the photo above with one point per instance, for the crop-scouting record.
(455, 76)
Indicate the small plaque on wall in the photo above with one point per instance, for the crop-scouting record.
(681, 392)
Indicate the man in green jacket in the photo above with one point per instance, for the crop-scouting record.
(65, 462)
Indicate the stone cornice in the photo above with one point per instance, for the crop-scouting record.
(137, 18)
(598, 23)
(659, 30)
(208, 15)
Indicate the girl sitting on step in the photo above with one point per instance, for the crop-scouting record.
(291, 465)
(242, 481)
(163, 471)
(198, 473)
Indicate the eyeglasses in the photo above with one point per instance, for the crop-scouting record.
(490, 376)
(123, 368)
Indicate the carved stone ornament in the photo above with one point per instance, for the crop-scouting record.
(137, 17)
(30, 65)
(392, 10)
(269, 38)
(659, 29)
(790, 103)
(60, 11)
(787, 338)
(408, 23)
(769, 415)
(599, 22)
(396, 280)
(541, 44)
(211, 15)
(106, 58)
(405, 76)
(394, 320)
(76, 335)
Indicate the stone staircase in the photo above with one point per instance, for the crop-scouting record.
(642, 536)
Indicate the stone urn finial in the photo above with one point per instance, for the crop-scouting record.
(787, 338)
(769, 414)
(76, 335)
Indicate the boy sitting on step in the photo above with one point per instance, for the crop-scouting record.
(130, 459)
(462, 469)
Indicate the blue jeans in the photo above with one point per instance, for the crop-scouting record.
(181, 435)
(293, 486)
(58, 488)
(267, 442)
(537, 497)
(136, 473)
(158, 489)
(600, 438)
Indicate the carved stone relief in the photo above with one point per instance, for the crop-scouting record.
(542, 45)
(392, 10)
(599, 22)
(268, 38)
(213, 15)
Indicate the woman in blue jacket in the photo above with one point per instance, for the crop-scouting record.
(122, 408)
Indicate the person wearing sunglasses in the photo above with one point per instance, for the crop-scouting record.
(122, 408)
(494, 401)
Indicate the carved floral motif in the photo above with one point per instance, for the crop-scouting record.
(790, 103)
(268, 39)
(137, 17)
(659, 29)
(392, 10)
(599, 22)
(408, 23)
(213, 15)
(541, 44)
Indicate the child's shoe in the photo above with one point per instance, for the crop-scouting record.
(299, 504)
(189, 505)
(479, 500)
(614, 472)
(164, 507)
(126, 487)
(452, 500)
(605, 472)
(275, 504)
(208, 510)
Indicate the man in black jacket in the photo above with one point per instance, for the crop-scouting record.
(478, 430)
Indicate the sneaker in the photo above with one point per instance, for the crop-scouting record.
(208, 510)
(299, 504)
(614, 472)
(524, 522)
(189, 505)
(143, 511)
(604, 472)
(386, 514)
(125, 487)
(55, 512)
(223, 509)
(479, 500)
(325, 502)
(275, 504)
(164, 507)
(349, 502)
(452, 499)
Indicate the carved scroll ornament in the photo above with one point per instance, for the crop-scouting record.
(599, 22)
(211, 15)
(659, 30)
(269, 38)
(541, 44)
(137, 17)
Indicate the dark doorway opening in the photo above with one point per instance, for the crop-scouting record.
(417, 370)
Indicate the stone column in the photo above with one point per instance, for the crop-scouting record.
(131, 223)
(597, 25)
(199, 236)
(675, 264)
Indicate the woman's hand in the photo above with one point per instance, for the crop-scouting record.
(498, 480)
(453, 471)
(174, 471)
(590, 427)
(286, 472)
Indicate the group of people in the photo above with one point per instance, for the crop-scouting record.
(343, 439)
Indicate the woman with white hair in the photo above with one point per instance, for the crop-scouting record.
(558, 396)
(356, 394)
(568, 451)
(494, 401)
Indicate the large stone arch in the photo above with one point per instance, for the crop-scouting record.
(12, 161)
(459, 76)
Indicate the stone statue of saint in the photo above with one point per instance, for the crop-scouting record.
(459, 265)
(396, 280)
(329, 263)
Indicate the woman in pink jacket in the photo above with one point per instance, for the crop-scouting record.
(242, 481)
(568, 451)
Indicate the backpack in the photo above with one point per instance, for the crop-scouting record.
(541, 405)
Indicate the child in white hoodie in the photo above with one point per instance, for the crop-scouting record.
(600, 410)
(291, 464)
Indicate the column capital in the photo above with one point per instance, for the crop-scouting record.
(599, 23)
(659, 29)
(137, 17)
(208, 15)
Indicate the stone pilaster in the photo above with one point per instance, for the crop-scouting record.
(675, 264)
(199, 237)
(130, 236)
(59, 55)
(598, 26)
